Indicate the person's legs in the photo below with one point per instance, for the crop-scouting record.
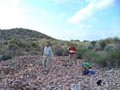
(48, 63)
(70, 59)
(74, 59)
(44, 61)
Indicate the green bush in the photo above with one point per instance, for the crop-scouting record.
(6, 57)
(19, 53)
(93, 43)
(34, 52)
(80, 52)
(100, 59)
(59, 51)
(5, 43)
(12, 47)
(114, 55)
(14, 41)
(34, 45)
(108, 48)
(65, 52)
(102, 43)
(109, 59)
(89, 54)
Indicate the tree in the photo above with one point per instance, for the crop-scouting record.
(102, 44)
(93, 43)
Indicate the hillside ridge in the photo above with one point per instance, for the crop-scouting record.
(22, 33)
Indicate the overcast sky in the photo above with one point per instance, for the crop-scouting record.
(63, 19)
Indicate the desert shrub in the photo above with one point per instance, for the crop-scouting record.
(19, 53)
(1, 57)
(116, 40)
(89, 54)
(34, 52)
(14, 41)
(108, 59)
(114, 56)
(102, 43)
(90, 47)
(58, 51)
(5, 43)
(100, 59)
(109, 40)
(6, 57)
(12, 46)
(108, 48)
(65, 52)
(93, 43)
(80, 52)
(118, 46)
(22, 44)
(33, 44)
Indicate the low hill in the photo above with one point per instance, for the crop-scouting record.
(21, 33)
(20, 41)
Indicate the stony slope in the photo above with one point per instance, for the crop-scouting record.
(25, 73)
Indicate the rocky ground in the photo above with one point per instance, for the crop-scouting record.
(26, 73)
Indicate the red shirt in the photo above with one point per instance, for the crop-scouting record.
(72, 50)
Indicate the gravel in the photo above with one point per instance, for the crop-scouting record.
(26, 73)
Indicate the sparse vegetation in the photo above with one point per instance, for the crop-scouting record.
(19, 41)
(108, 56)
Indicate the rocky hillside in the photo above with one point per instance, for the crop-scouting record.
(21, 33)
(19, 41)
(26, 73)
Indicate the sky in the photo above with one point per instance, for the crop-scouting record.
(63, 19)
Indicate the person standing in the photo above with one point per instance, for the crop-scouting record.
(72, 54)
(47, 56)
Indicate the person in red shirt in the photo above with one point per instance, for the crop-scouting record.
(72, 54)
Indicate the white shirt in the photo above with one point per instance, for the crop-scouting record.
(48, 51)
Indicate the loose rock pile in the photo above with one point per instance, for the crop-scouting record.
(26, 73)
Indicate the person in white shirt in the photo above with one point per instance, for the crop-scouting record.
(48, 55)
